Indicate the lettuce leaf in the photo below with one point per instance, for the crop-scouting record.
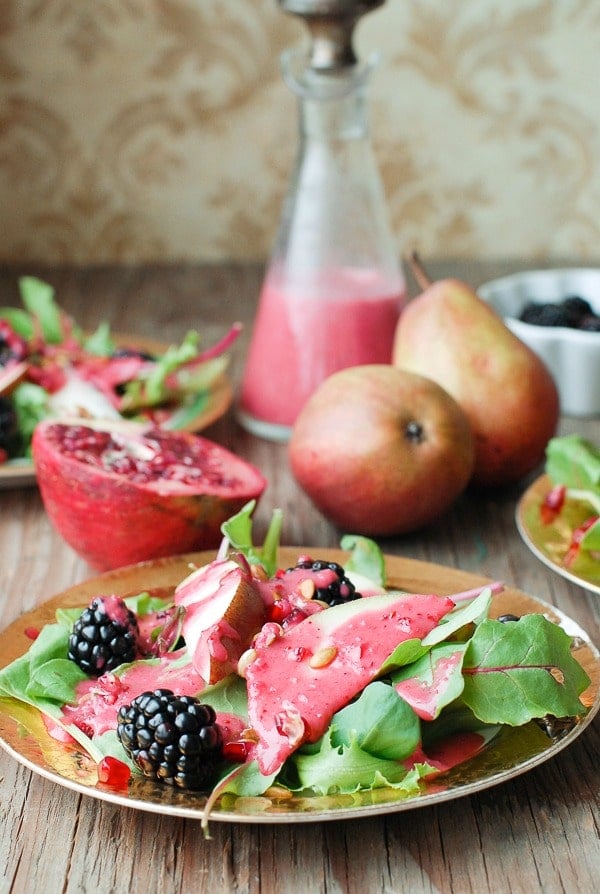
(521, 670)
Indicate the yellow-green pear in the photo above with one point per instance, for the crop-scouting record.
(452, 336)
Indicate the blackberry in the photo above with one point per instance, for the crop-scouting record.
(10, 438)
(577, 308)
(339, 591)
(172, 738)
(104, 636)
(545, 315)
(590, 323)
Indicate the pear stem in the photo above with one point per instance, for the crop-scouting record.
(418, 270)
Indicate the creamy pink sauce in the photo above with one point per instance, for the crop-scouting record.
(422, 695)
(290, 701)
(448, 753)
(347, 318)
(99, 700)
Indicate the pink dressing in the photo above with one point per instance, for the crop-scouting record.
(301, 678)
(300, 337)
(116, 609)
(448, 752)
(99, 700)
(223, 610)
(423, 695)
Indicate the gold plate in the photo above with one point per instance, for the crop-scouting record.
(20, 472)
(550, 541)
(512, 752)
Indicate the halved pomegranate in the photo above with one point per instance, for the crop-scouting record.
(121, 493)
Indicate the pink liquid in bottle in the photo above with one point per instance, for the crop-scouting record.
(300, 337)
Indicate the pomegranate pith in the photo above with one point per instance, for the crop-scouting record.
(120, 494)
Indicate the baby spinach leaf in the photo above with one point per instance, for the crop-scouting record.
(238, 530)
(55, 680)
(573, 461)
(432, 682)
(471, 612)
(366, 558)
(38, 298)
(380, 722)
(50, 644)
(520, 670)
(228, 696)
(404, 653)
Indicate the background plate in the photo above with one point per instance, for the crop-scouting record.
(550, 542)
(514, 751)
(20, 472)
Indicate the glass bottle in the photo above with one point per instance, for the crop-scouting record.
(334, 288)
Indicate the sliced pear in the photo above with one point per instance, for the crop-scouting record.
(300, 679)
(223, 611)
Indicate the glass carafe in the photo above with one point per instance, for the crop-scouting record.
(333, 288)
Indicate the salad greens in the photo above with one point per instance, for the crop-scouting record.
(62, 371)
(573, 466)
(471, 673)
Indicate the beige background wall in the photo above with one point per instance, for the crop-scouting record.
(136, 130)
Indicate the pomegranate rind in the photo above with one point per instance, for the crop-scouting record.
(299, 679)
(111, 521)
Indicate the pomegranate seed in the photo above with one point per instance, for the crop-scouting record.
(31, 632)
(236, 751)
(113, 772)
(553, 503)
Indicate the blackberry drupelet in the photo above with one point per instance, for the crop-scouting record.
(545, 315)
(100, 641)
(172, 738)
(577, 308)
(339, 591)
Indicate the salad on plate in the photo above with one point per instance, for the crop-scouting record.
(573, 467)
(249, 678)
(49, 367)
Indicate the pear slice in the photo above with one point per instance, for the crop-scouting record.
(223, 611)
(11, 376)
(298, 680)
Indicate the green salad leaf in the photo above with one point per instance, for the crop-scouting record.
(575, 462)
(238, 531)
(38, 298)
(519, 670)
(30, 403)
(380, 722)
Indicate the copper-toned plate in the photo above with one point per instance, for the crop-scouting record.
(512, 752)
(20, 472)
(550, 541)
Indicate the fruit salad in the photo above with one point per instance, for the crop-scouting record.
(49, 367)
(313, 678)
(573, 466)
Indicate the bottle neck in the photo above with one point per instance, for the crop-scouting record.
(332, 104)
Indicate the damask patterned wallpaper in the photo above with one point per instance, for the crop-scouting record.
(160, 130)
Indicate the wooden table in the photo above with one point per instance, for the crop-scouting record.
(538, 832)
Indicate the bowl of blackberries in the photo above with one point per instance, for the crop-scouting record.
(557, 313)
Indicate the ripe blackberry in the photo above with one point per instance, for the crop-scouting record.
(577, 308)
(545, 315)
(590, 323)
(172, 738)
(104, 636)
(339, 590)
(10, 439)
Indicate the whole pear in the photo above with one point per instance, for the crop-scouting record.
(381, 451)
(508, 394)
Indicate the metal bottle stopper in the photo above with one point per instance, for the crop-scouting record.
(331, 24)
